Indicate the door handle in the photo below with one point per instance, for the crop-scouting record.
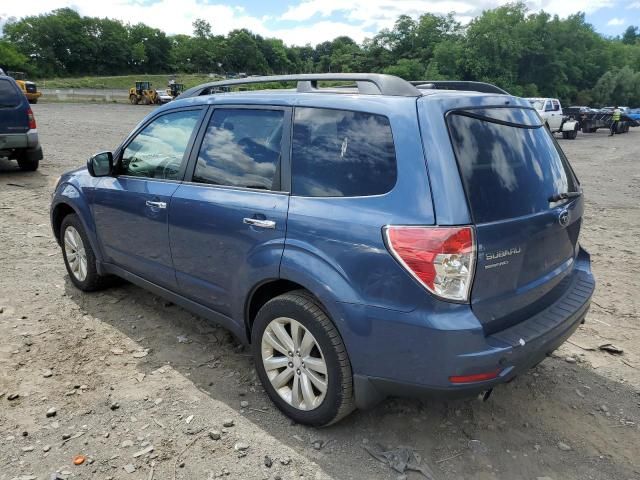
(255, 222)
(151, 204)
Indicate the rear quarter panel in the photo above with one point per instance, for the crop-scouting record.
(334, 245)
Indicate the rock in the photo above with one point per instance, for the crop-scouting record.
(244, 404)
(241, 446)
(47, 374)
(476, 446)
(189, 419)
(564, 447)
(604, 408)
(149, 449)
(285, 461)
(52, 412)
(115, 406)
(46, 448)
(30, 448)
(229, 422)
(570, 360)
(215, 435)
(13, 396)
(126, 444)
(66, 436)
(268, 461)
(129, 468)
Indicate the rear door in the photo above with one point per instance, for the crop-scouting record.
(13, 115)
(228, 220)
(511, 168)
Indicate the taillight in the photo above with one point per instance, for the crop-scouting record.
(442, 259)
(32, 119)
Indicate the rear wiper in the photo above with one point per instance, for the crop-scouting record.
(563, 196)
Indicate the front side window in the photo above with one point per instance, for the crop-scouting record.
(158, 151)
(338, 153)
(241, 148)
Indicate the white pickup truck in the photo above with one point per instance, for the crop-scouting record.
(551, 112)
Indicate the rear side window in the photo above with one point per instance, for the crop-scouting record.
(8, 94)
(509, 163)
(337, 153)
(241, 148)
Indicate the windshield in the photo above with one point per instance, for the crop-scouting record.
(537, 104)
(509, 163)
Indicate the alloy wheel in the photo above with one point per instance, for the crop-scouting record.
(76, 254)
(294, 363)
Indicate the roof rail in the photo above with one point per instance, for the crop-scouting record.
(459, 85)
(367, 83)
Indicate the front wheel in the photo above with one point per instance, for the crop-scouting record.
(302, 361)
(133, 99)
(79, 257)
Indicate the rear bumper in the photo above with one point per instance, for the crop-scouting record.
(28, 139)
(468, 352)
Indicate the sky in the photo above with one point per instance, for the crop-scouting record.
(299, 22)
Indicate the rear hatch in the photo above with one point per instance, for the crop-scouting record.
(513, 173)
(13, 115)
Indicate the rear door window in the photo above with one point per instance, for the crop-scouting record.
(8, 94)
(509, 163)
(242, 148)
(338, 153)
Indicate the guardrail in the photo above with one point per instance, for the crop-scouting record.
(105, 95)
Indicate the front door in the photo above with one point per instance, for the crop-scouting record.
(227, 224)
(131, 208)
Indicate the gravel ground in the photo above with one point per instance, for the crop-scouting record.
(142, 389)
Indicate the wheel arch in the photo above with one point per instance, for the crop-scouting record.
(262, 293)
(70, 200)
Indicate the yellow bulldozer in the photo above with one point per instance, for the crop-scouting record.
(175, 89)
(142, 93)
(30, 89)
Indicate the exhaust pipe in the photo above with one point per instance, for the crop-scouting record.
(484, 396)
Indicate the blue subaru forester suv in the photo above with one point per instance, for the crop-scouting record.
(367, 239)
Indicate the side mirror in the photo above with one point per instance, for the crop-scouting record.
(101, 164)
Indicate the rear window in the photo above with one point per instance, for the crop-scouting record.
(508, 161)
(8, 94)
(338, 153)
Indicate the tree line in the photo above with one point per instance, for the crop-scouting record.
(527, 54)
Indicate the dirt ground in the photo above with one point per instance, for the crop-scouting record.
(141, 386)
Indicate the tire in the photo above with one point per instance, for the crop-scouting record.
(133, 99)
(34, 101)
(90, 281)
(329, 352)
(565, 135)
(572, 134)
(27, 165)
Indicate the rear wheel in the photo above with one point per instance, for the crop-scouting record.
(79, 257)
(27, 165)
(34, 101)
(301, 360)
